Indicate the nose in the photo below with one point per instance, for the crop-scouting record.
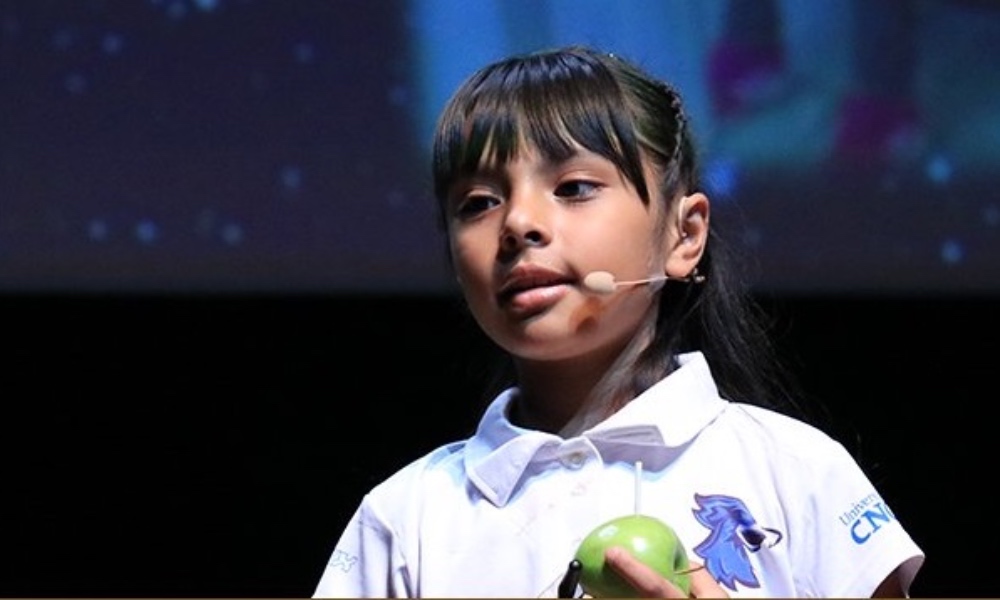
(525, 225)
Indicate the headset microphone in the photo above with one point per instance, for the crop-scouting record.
(603, 282)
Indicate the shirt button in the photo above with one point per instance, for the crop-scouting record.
(575, 460)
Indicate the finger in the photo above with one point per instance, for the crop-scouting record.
(703, 585)
(646, 581)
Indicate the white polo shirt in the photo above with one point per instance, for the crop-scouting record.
(770, 505)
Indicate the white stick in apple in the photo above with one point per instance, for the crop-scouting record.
(638, 487)
(647, 538)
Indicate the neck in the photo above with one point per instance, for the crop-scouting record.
(570, 396)
(555, 395)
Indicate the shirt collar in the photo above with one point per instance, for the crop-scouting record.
(667, 416)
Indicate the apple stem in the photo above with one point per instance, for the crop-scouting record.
(638, 487)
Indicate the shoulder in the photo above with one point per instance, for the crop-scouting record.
(439, 477)
(435, 476)
(784, 438)
(777, 426)
(774, 419)
(444, 462)
(396, 506)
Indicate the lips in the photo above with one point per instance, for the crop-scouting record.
(525, 278)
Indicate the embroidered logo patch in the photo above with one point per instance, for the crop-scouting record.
(343, 560)
(734, 534)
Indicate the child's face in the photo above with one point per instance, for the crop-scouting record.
(524, 235)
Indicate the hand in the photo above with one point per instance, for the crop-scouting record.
(703, 585)
(650, 584)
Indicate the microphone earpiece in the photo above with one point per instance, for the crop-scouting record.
(603, 282)
(600, 282)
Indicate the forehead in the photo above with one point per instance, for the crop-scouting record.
(581, 164)
(552, 109)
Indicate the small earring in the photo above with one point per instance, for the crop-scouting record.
(694, 276)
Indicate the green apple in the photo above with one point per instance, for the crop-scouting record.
(647, 538)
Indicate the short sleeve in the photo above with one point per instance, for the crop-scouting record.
(366, 561)
(848, 532)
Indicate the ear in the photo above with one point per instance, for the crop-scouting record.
(687, 235)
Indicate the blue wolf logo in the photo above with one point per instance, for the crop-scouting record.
(733, 533)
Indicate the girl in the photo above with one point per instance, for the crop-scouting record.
(580, 238)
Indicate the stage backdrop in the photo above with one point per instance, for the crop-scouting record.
(208, 145)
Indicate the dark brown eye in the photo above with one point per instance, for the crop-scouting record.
(577, 190)
(475, 204)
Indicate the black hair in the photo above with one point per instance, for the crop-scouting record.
(552, 100)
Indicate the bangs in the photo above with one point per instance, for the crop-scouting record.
(553, 104)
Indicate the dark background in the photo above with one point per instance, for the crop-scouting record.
(224, 310)
(216, 445)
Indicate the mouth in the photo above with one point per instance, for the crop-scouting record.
(527, 278)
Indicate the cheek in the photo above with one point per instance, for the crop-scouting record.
(458, 248)
(628, 250)
(472, 264)
(587, 316)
